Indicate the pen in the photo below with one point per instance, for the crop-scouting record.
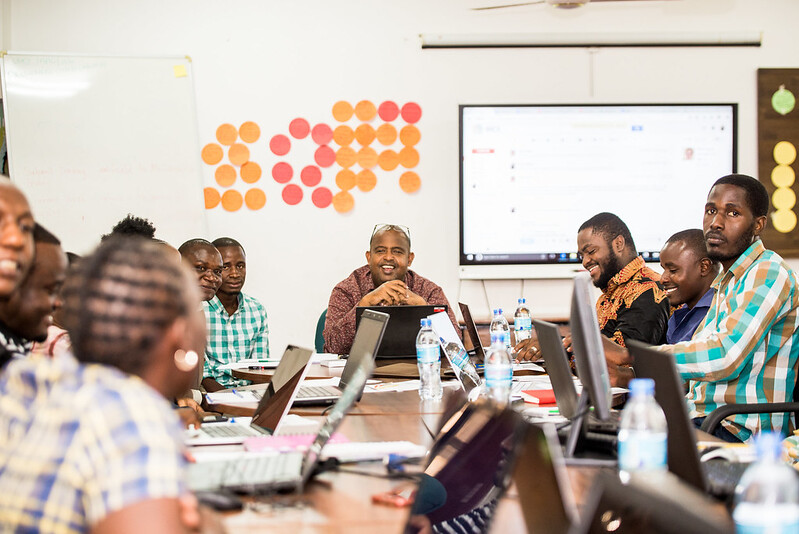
(236, 393)
(257, 367)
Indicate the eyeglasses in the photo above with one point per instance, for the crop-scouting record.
(395, 227)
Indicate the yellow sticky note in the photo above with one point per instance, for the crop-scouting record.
(180, 71)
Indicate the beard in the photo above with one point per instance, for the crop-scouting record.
(609, 269)
(738, 247)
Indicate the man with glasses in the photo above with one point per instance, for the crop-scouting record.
(384, 281)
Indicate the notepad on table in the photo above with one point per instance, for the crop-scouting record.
(539, 396)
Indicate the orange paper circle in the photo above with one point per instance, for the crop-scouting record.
(367, 157)
(225, 175)
(386, 134)
(238, 154)
(410, 182)
(365, 134)
(343, 202)
(212, 153)
(410, 135)
(345, 179)
(388, 160)
(250, 172)
(255, 198)
(212, 198)
(343, 135)
(227, 134)
(408, 157)
(249, 132)
(366, 180)
(346, 157)
(231, 200)
(365, 110)
(342, 111)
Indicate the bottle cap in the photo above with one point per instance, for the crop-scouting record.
(768, 445)
(522, 301)
(642, 386)
(425, 322)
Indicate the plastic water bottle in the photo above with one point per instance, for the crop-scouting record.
(767, 497)
(522, 322)
(427, 358)
(499, 326)
(498, 371)
(462, 365)
(642, 433)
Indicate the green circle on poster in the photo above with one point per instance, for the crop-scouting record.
(783, 101)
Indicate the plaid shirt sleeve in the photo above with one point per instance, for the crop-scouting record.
(727, 341)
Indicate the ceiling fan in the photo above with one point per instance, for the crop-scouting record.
(562, 4)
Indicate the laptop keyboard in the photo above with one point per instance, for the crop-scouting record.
(248, 471)
(221, 430)
(723, 476)
(312, 392)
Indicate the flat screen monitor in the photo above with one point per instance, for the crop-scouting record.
(530, 175)
(589, 356)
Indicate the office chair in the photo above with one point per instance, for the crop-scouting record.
(719, 414)
(319, 340)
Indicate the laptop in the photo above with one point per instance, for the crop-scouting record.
(557, 366)
(399, 339)
(255, 472)
(364, 346)
(471, 329)
(273, 406)
(718, 477)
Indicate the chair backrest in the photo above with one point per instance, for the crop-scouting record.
(319, 342)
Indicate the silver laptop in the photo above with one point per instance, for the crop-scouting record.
(557, 366)
(364, 346)
(252, 472)
(272, 409)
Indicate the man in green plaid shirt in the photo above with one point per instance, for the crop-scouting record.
(237, 326)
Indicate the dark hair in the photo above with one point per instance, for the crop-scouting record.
(610, 226)
(119, 301)
(756, 194)
(694, 239)
(191, 244)
(222, 242)
(73, 258)
(43, 235)
(131, 226)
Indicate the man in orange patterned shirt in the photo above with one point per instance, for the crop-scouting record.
(633, 304)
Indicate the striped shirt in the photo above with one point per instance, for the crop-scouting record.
(746, 349)
(231, 338)
(79, 442)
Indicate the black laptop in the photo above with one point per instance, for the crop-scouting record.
(471, 329)
(399, 339)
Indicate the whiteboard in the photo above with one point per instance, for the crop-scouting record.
(91, 139)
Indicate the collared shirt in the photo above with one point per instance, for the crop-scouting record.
(634, 306)
(79, 442)
(231, 338)
(746, 350)
(684, 321)
(340, 323)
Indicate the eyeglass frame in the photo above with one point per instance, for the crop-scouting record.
(394, 227)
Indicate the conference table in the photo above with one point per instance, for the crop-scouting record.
(341, 500)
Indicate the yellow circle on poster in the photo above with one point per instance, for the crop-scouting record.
(783, 176)
(783, 198)
(784, 220)
(784, 153)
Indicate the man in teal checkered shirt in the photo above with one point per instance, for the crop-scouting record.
(237, 326)
(746, 350)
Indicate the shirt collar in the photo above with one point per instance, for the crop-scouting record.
(626, 273)
(706, 300)
(744, 261)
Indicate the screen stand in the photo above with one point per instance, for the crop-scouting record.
(577, 429)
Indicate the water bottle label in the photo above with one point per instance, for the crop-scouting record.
(757, 518)
(642, 452)
(498, 376)
(427, 353)
(459, 359)
(506, 338)
(523, 324)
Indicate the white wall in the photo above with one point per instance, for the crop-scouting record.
(271, 61)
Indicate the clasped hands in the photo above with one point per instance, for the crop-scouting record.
(392, 293)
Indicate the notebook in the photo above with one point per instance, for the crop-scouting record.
(399, 339)
(273, 406)
(270, 471)
(364, 346)
(718, 477)
(471, 329)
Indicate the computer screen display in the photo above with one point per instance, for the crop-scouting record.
(530, 175)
